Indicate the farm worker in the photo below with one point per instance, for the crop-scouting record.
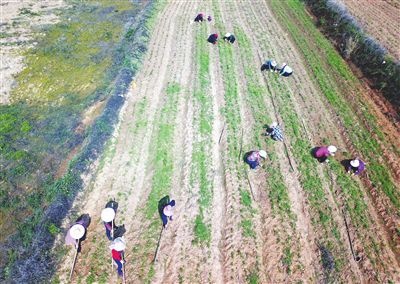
(209, 18)
(77, 232)
(229, 37)
(275, 132)
(285, 70)
(253, 158)
(108, 215)
(117, 252)
(269, 65)
(167, 213)
(213, 38)
(355, 166)
(199, 18)
(322, 153)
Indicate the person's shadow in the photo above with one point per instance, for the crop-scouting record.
(346, 164)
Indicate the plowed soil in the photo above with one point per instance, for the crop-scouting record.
(380, 19)
(127, 170)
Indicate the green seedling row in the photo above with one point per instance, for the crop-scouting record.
(360, 136)
(309, 180)
(354, 196)
(201, 161)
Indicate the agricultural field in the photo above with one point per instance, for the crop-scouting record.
(186, 120)
(381, 20)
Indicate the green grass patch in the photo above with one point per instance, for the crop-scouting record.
(334, 86)
(201, 231)
(201, 161)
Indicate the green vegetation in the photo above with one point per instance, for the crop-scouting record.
(163, 168)
(89, 46)
(322, 61)
(358, 128)
(201, 160)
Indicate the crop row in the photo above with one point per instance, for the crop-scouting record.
(202, 121)
(254, 99)
(361, 138)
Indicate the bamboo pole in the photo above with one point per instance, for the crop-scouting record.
(158, 245)
(73, 264)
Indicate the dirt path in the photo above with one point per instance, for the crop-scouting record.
(129, 170)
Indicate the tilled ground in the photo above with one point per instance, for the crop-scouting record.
(380, 19)
(246, 242)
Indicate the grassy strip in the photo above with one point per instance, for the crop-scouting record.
(278, 194)
(53, 134)
(163, 168)
(358, 133)
(309, 180)
(354, 196)
(201, 161)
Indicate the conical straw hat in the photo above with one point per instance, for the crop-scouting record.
(77, 231)
(107, 214)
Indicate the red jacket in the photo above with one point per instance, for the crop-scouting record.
(116, 255)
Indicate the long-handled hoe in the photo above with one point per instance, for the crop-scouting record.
(158, 245)
(73, 264)
(124, 272)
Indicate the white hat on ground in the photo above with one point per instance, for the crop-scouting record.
(262, 154)
(77, 231)
(274, 124)
(118, 244)
(355, 163)
(168, 210)
(107, 214)
(332, 149)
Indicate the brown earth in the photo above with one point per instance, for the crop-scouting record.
(126, 170)
(380, 19)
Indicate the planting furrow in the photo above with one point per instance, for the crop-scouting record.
(304, 230)
(115, 187)
(290, 119)
(243, 254)
(371, 241)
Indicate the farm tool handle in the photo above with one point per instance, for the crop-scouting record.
(222, 132)
(73, 264)
(241, 145)
(348, 235)
(158, 245)
(251, 188)
(112, 238)
(288, 156)
(124, 272)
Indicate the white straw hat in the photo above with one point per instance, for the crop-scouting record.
(118, 244)
(107, 214)
(273, 63)
(274, 124)
(332, 149)
(262, 153)
(77, 231)
(228, 35)
(355, 163)
(168, 210)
